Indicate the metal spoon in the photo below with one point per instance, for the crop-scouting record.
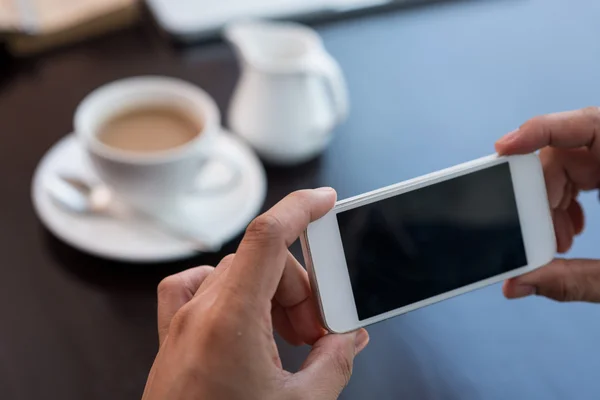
(75, 195)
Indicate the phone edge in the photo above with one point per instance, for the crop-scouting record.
(388, 190)
(304, 243)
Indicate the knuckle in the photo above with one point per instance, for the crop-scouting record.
(220, 326)
(206, 319)
(265, 227)
(212, 329)
(180, 322)
(168, 285)
(214, 321)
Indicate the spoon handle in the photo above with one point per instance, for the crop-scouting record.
(178, 232)
(76, 195)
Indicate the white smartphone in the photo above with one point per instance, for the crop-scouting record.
(406, 246)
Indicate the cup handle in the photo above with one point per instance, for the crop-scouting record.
(222, 161)
(328, 69)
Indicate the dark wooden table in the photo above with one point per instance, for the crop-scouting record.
(430, 87)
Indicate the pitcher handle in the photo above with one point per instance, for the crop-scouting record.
(333, 77)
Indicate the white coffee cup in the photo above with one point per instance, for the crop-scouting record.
(151, 181)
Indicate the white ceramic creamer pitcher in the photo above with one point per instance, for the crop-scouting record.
(291, 93)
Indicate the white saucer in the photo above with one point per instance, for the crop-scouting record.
(219, 217)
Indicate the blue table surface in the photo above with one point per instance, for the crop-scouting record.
(436, 86)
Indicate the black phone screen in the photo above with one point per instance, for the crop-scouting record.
(429, 241)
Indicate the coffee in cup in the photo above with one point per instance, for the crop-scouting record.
(148, 138)
(149, 129)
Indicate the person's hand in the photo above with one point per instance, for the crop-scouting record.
(216, 324)
(570, 155)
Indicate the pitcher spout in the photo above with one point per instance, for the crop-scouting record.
(272, 46)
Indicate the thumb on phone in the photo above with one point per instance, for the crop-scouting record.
(561, 280)
(328, 368)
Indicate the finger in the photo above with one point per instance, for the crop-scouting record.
(578, 166)
(561, 280)
(577, 217)
(218, 271)
(563, 229)
(283, 326)
(566, 198)
(295, 297)
(328, 367)
(176, 290)
(554, 175)
(259, 263)
(225, 263)
(569, 129)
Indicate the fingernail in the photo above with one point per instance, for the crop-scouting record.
(523, 291)
(509, 137)
(326, 192)
(360, 341)
(324, 189)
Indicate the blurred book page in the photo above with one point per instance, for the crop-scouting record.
(49, 16)
(55, 15)
(9, 16)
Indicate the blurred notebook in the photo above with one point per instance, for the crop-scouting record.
(197, 19)
(29, 26)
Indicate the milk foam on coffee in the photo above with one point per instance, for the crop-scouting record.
(149, 129)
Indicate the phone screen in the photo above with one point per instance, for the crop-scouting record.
(429, 241)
